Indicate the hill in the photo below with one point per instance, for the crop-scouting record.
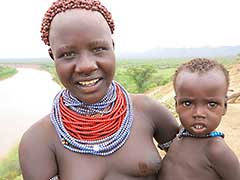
(223, 51)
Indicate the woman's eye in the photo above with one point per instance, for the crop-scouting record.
(99, 49)
(186, 103)
(68, 55)
(212, 104)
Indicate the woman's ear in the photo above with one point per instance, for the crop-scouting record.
(113, 44)
(50, 53)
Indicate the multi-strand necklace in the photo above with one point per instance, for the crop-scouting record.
(98, 129)
(184, 133)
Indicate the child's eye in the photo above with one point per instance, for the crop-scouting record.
(186, 103)
(212, 105)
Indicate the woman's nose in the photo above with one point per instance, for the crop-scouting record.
(85, 64)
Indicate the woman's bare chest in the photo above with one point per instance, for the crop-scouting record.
(136, 158)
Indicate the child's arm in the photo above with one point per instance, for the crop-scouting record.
(223, 160)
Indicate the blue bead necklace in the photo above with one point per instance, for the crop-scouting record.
(100, 147)
(184, 133)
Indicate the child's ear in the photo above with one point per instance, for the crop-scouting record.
(175, 99)
(50, 53)
(225, 108)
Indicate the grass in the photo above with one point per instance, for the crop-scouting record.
(6, 72)
(9, 166)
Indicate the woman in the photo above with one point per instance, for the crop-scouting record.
(96, 130)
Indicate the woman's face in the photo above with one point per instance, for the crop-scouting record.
(200, 100)
(83, 53)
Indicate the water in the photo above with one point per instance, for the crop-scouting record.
(24, 99)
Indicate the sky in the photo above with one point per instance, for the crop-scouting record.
(141, 25)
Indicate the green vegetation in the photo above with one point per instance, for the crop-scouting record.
(6, 72)
(139, 76)
(9, 166)
(51, 69)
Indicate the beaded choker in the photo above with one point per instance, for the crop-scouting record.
(185, 133)
(98, 129)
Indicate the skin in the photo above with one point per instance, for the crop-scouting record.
(83, 51)
(200, 104)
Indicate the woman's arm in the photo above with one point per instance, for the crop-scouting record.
(37, 158)
(165, 126)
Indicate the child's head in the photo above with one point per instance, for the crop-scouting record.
(201, 89)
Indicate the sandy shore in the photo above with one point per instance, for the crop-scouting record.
(24, 99)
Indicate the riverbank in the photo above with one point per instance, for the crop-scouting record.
(25, 98)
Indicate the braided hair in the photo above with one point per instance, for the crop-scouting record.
(62, 5)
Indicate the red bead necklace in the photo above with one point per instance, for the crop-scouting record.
(94, 127)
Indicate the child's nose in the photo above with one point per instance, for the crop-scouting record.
(199, 112)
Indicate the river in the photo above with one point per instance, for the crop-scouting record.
(24, 98)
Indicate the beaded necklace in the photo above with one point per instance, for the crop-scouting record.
(98, 129)
(185, 133)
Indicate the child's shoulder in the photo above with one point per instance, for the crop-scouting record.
(222, 159)
(216, 145)
(218, 148)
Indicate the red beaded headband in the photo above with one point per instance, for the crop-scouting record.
(63, 5)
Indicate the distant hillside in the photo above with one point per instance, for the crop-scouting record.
(25, 60)
(224, 51)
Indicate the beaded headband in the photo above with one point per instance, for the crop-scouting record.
(63, 5)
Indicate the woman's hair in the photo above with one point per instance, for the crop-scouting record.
(63, 5)
(201, 65)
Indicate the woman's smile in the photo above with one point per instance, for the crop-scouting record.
(88, 83)
(90, 86)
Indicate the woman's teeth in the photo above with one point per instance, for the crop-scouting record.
(88, 83)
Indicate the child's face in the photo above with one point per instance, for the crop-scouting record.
(83, 53)
(200, 100)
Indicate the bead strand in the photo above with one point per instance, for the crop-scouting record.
(185, 133)
(98, 146)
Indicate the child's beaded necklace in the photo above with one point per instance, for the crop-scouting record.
(184, 133)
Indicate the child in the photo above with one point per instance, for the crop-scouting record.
(199, 152)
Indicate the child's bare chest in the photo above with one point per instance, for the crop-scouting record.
(187, 159)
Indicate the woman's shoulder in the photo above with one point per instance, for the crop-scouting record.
(148, 104)
(41, 125)
(41, 131)
(144, 100)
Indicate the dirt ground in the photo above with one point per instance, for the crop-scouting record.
(231, 121)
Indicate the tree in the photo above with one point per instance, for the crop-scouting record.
(142, 76)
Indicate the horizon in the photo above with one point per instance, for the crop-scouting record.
(145, 54)
(153, 24)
